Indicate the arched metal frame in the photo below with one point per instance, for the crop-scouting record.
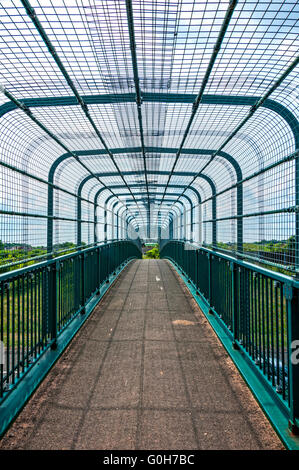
(222, 154)
(129, 203)
(174, 216)
(228, 58)
(282, 111)
(158, 193)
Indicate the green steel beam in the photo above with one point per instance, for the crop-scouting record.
(231, 7)
(254, 108)
(140, 185)
(130, 18)
(170, 211)
(60, 159)
(155, 185)
(166, 200)
(164, 150)
(224, 155)
(80, 100)
(227, 100)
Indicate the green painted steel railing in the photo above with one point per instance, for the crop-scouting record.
(38, 302)
(259, 311)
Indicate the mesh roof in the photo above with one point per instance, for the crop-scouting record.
(147, 100)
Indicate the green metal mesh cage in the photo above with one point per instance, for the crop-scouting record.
(143, 117)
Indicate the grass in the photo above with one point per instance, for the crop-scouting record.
(154, 253)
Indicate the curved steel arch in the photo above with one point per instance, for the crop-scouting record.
(121, 207)
(173, 209)
(222, 154)
(174, 215)
(157, 185)
(167, 199)
(229, 100)
(271, 104)
(138, 185)
(205, 177)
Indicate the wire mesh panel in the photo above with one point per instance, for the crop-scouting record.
(128, 93)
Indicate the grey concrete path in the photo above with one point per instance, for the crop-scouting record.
(146, 371)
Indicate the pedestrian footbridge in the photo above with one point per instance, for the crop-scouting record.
(149, 224)
(146, 371)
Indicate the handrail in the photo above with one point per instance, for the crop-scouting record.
(38, 302)
(256, 311)
(48, 262)
(254, 267)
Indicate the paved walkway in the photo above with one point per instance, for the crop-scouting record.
(146, 371)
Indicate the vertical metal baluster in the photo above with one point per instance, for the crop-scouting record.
(53, 279)
(288, 339)
(27, 318)
(251, 327)
(234, 306)
(264, 333)
(83, 283)
(23, 323)
(278, 387)
(2, 337)
(60, 316)
(248, 309)
(18, 327)
(13, 319)
(35, 313)
(255, 309)
(269, 330)
(242, 312)
(40, 276)
(282, 333)
(259, 313)
(31, 313)
(7, 333)
(272, 333)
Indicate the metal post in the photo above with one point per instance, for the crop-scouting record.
(240, 219)
(214, 223)
(118, 232)
(210, 257)
(50, 221)
(159, 226)
(191, 222)
(82, 282)
(148, 222)
(234, 281)
(95, 222)
(171, 229)
(292, 298)
(79, 242)
(52, 303)
(105, 222)
(126, 223)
